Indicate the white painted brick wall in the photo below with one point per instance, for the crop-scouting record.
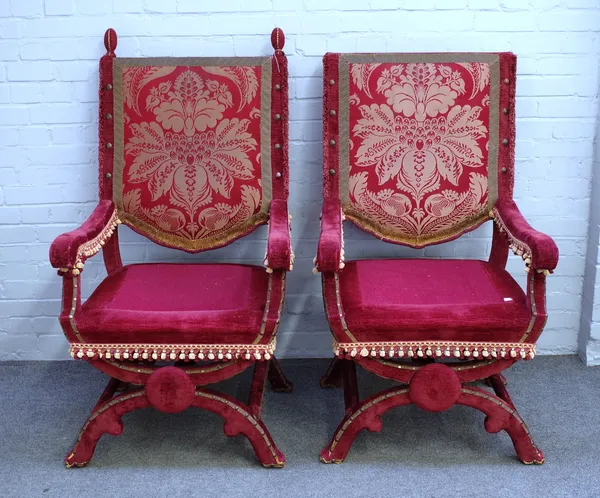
(589, 335)
(49, 51)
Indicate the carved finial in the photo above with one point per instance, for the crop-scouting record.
(277, 39)
(110, 41)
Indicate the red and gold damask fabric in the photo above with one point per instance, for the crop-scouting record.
(418, 143)
(192, 148)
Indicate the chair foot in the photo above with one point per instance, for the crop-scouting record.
(502, 415)
(279, 382)
(333, 377)
(105, 419)
(239, 420)
(367, 415)
(323, 458)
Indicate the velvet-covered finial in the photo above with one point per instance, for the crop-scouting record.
(110, 41)
(277, 39)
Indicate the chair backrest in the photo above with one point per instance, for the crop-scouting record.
(189, 147)
(418, 147)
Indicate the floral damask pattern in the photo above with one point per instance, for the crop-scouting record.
(191, 148)
(419, 145)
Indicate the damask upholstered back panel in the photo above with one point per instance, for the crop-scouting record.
(191, 140)
(418, 147)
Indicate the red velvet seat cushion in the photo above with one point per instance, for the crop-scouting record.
(177, 304)
(431, 299)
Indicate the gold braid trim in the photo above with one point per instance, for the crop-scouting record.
(517, 246)
(185, 352)
(342, 250)
(435, 349)
(292, 255)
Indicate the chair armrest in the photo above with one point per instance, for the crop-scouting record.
(279, 243)
(70, 250)
(537, 249)
(330, 250)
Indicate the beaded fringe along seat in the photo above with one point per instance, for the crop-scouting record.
(193, 155)
(419, 149)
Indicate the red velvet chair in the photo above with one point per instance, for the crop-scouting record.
(193, 155)
(419, 149)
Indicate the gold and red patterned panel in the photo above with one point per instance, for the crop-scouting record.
(415, 141)
(192, 152)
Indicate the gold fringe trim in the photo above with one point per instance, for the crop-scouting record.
(517, 246)
(93, 246)
(173, 352)
(435, 349)
(88, 249)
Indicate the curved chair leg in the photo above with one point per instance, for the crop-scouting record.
(498, 383)
(501, 415)
(105, 419)
(279, 382)
(367, 415)
(333, 377)
(351, 398)
(499, 376)
(239, 420)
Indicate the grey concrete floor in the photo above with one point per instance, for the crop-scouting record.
(43, 405)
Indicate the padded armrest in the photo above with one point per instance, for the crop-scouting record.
(71, 248)
(330, 252)
(525, 241)
(279, 244)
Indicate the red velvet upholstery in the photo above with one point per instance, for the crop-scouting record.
(170, 390)
(543, 250)
(329, 250)
(417, 150)
(193, 154)
(432, 300)
(435, 387)
(176, 303)
(63, 251)
(186, 159)
(279, 247)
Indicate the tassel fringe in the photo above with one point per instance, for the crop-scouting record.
(172, 352)
(477, 350)
(516, 246)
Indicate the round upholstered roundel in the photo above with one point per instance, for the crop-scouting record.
(434, 387)
(170, 390)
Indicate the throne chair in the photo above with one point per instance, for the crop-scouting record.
(192, 155)
(418, 150)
